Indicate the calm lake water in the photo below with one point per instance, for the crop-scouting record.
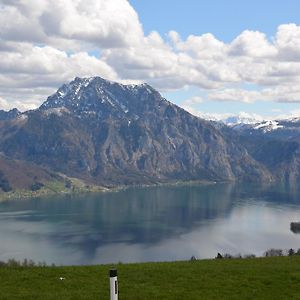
(150, 224)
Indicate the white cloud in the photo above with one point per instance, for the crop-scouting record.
(231, 94)
(48, 42)
(280, 93)
(252, 44)
(4, 104)
(227, 117)
(103, 23)
(288, 42)
(204, 47)
(193, 100)
(30, 75)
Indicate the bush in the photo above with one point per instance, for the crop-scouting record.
(36, 186)
(68, 183)
(13, 263)
(295, 227)
(273, 252)
(4, 184)
(249, 256)
(26, 263)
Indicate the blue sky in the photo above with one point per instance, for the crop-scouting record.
(225, 20)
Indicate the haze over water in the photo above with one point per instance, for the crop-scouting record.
(150, 224)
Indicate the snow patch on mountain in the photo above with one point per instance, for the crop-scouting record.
(268, 126)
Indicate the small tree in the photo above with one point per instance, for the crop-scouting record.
(273, 252)
(36, 186)
(68, 183)
(4, 184)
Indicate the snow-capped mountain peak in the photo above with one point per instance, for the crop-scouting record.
(99, 98)
(95, 94)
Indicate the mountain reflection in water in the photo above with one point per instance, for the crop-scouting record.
(150, 224)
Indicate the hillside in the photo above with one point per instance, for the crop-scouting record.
(16, 174)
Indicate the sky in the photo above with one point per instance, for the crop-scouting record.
(214, 58)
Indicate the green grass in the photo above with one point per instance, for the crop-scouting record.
(262, 278)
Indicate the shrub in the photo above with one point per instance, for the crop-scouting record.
(273, 252)
(27, 263)
(68, 183)
(4, 184)
(13, 263)
(295, 227)
(36, 186)
(249, 256)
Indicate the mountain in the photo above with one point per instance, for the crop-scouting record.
(107, 133)
(274, 144)
(241, 119)
(8, 115)
(285, 129)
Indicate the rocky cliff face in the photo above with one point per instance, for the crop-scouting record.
(109, 133)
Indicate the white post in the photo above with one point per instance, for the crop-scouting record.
(113, 284)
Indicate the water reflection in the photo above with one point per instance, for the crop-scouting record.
(143, 224)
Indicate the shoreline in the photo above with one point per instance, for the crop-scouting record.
(48, 190)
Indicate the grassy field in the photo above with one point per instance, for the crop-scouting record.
(262, 278)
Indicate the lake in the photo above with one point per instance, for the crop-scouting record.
(150, 224)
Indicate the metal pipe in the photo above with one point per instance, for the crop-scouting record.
(113, 279)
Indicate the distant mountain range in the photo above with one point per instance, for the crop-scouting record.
(284, 128)
(273, 143)
(109, 134)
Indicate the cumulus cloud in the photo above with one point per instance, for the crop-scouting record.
(103, 23)
(288, 42)
(232, 94)
(228, 117)
(48, 42)
(252, 44)
(281, 93)
(29, 76)
(193, 100)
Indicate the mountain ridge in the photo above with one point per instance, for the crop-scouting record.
(111, 134)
